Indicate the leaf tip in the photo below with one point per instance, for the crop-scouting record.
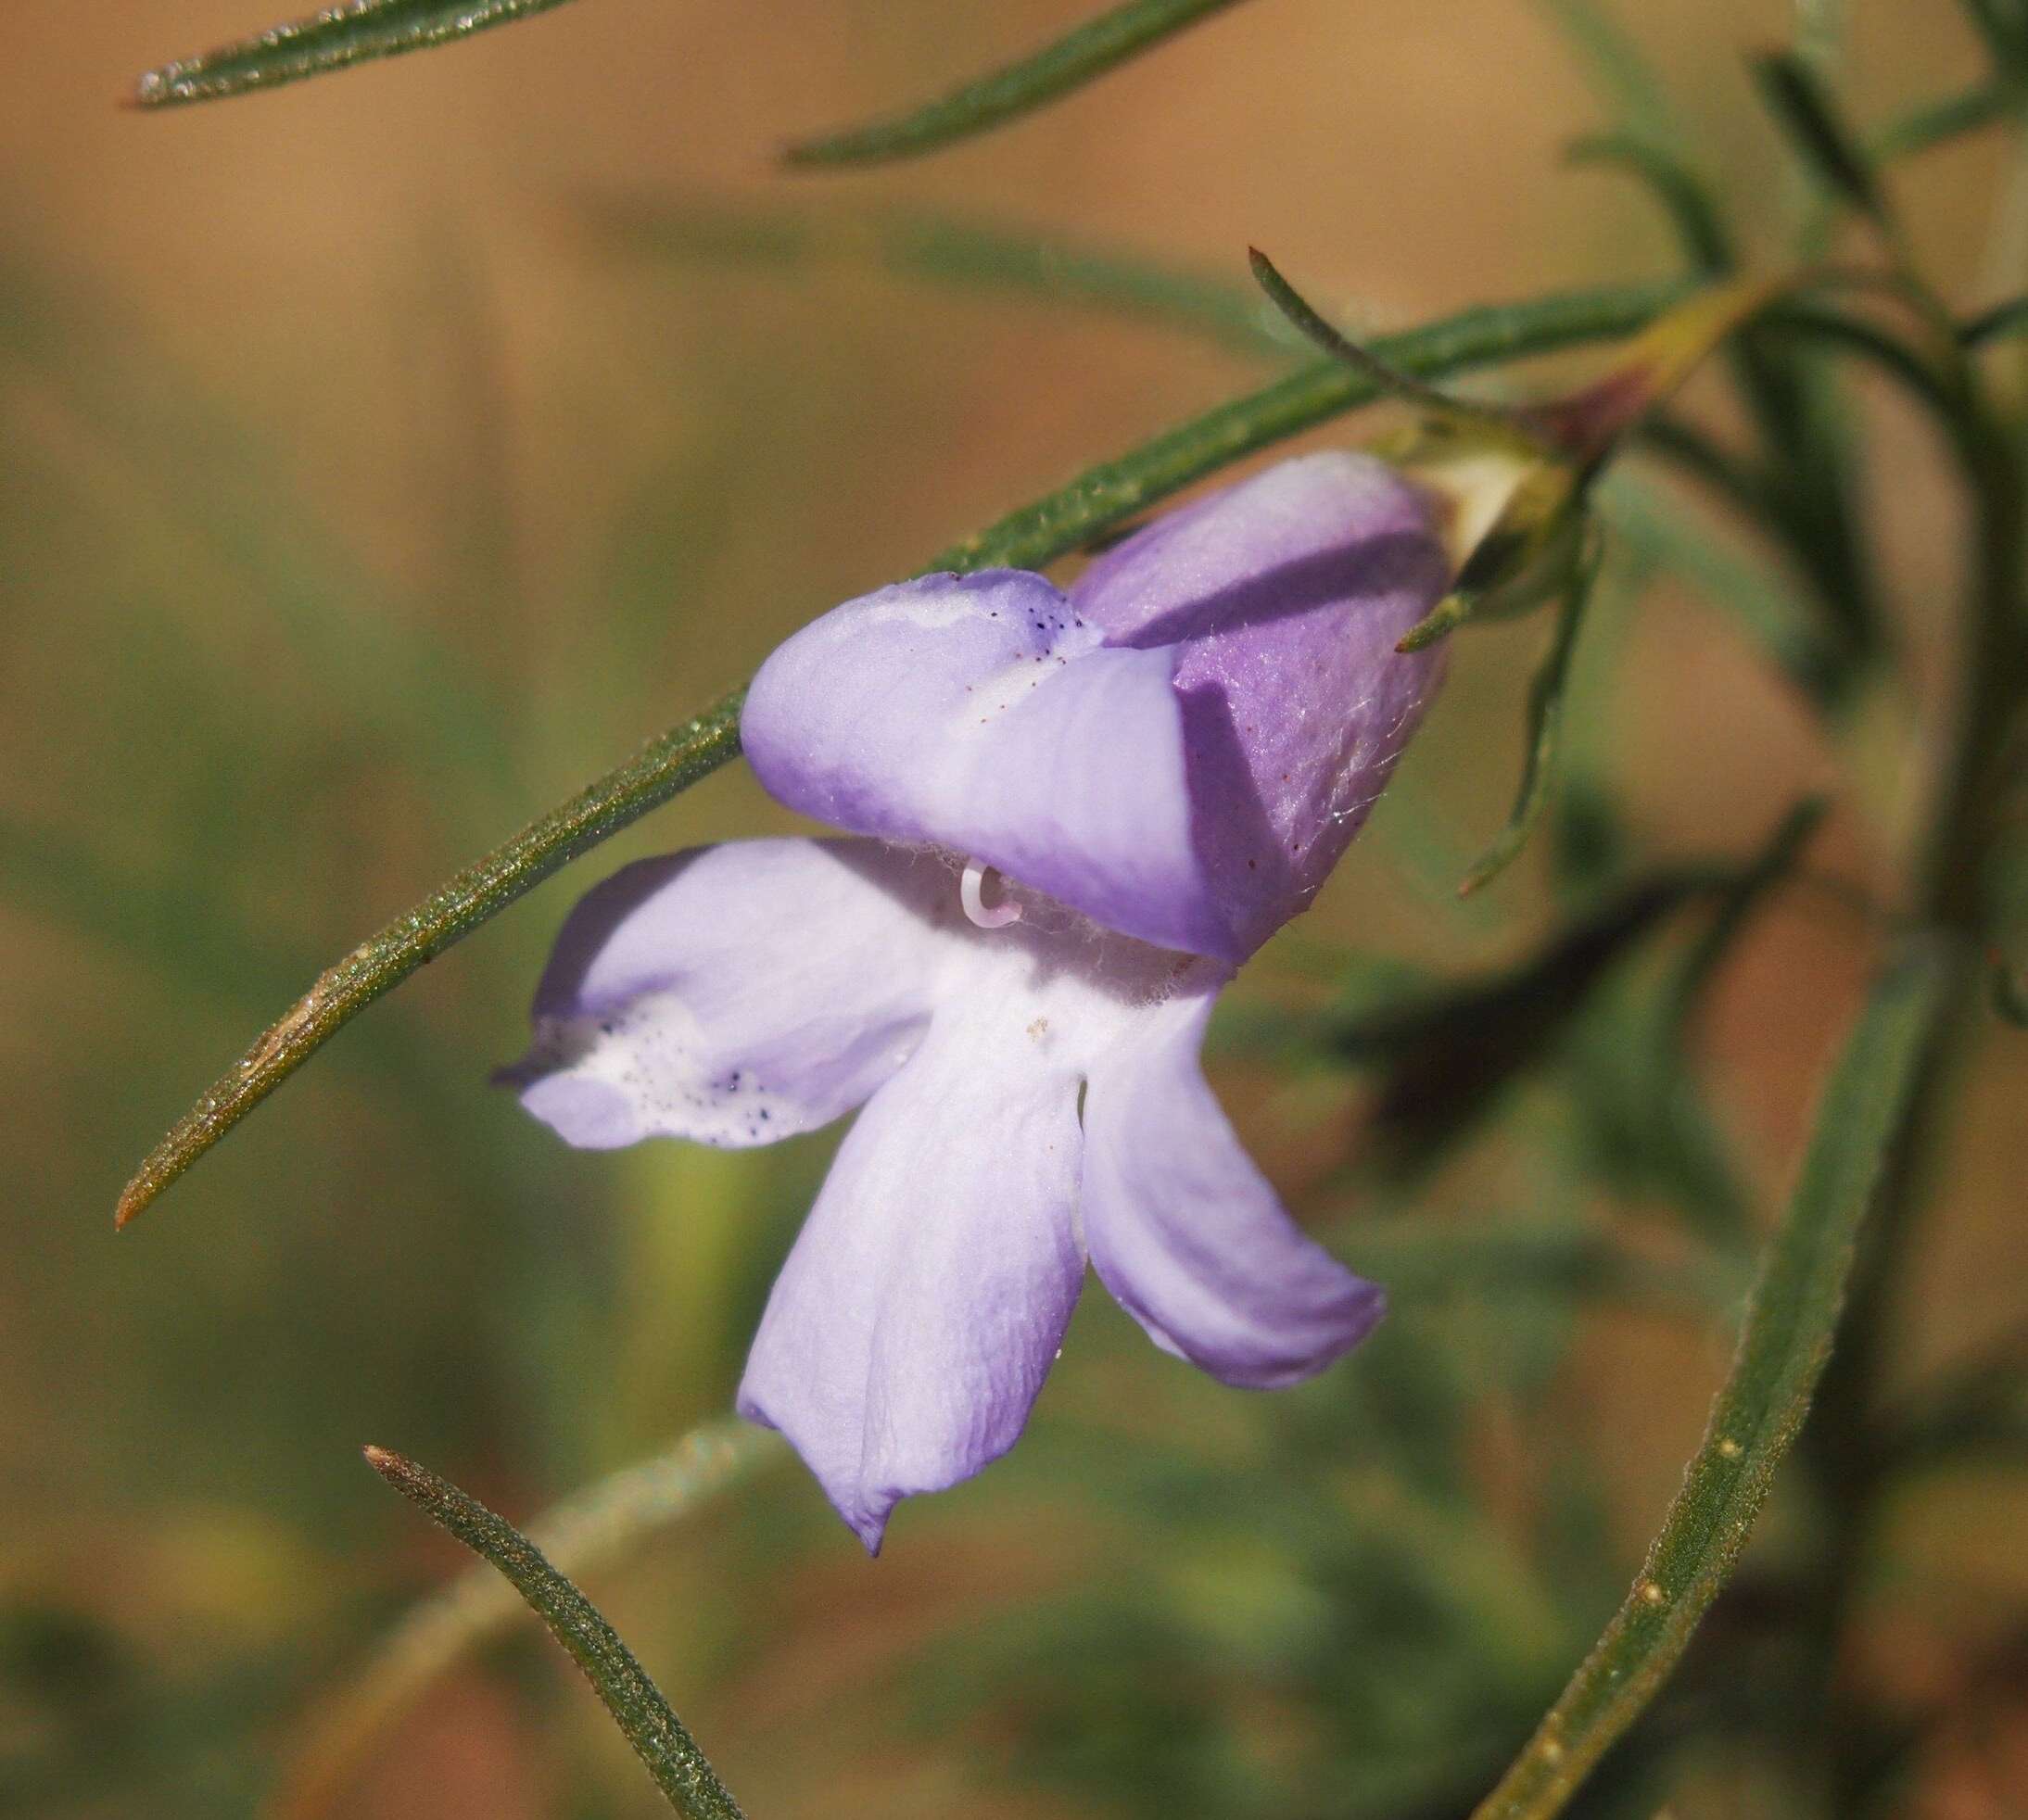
(134, 1199)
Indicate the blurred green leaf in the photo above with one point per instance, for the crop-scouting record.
(1783, 1350)
(1738, 902)
(1936, 122)
(945, 249)
(1765, 609)
(1080, 56)
(594, 1530)
(2008, 993)
(1802, 107)
(1545, 715)
(1977, 1413)
(1682, 193)
(1647, 1126)
(2003, 320)
(2004, 26)
(1102, 497)
(1620, 73)
(1419, 1258)
(334, 39)
(1446, 1054)
(1845, 331)
(636, 1703)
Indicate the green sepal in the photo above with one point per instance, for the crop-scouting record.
(1545, 715)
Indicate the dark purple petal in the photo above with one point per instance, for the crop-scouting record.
(1187, 1233)
(977, 713)
(1286, 595)
(912, 1326)
(735, 994)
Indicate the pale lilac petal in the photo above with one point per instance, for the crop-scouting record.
(913, 1324)
(735, 994)
(976, 713)
(1287, 594)
(1187, 1233)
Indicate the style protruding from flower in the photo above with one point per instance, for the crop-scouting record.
(1074, 815)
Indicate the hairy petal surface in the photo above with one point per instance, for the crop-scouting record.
(1187, 1233)
(736, 994)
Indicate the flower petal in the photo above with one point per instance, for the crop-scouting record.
(1286, 593)
(977, 713)
(923, 1303)
(1187, 1233)
(735, 994)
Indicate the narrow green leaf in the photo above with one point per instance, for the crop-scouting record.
(1675, 185)
(1934, 122)
(596, 1529)
(1999, 323)
(2004, 26)
(2008, 992)
(1802, 107)
(1448, 1051)
(1422, 1259)
(1619, 70)
(1974, 1414)
(944, 249)
(1078, 58)
(657, 1735)
(1103, 496)
(1743, 896)
(335, 38)
(663, 767)
(1385, 379)
(1782, 1352)
(1545, 730)
(1765, 609)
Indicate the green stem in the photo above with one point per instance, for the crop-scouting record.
(1037, 533)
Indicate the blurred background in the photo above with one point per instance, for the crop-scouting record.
(383, 458)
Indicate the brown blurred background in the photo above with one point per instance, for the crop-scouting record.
(368, 483)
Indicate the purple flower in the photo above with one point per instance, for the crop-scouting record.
(1161, 768)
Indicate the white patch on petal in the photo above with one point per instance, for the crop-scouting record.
(655, 1055)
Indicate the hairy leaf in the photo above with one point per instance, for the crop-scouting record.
(594, 1529)
(636, 1703)
(335, 38)
(1080, 56)
(1781, 1353)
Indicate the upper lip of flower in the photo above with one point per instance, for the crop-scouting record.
(1181, 746)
